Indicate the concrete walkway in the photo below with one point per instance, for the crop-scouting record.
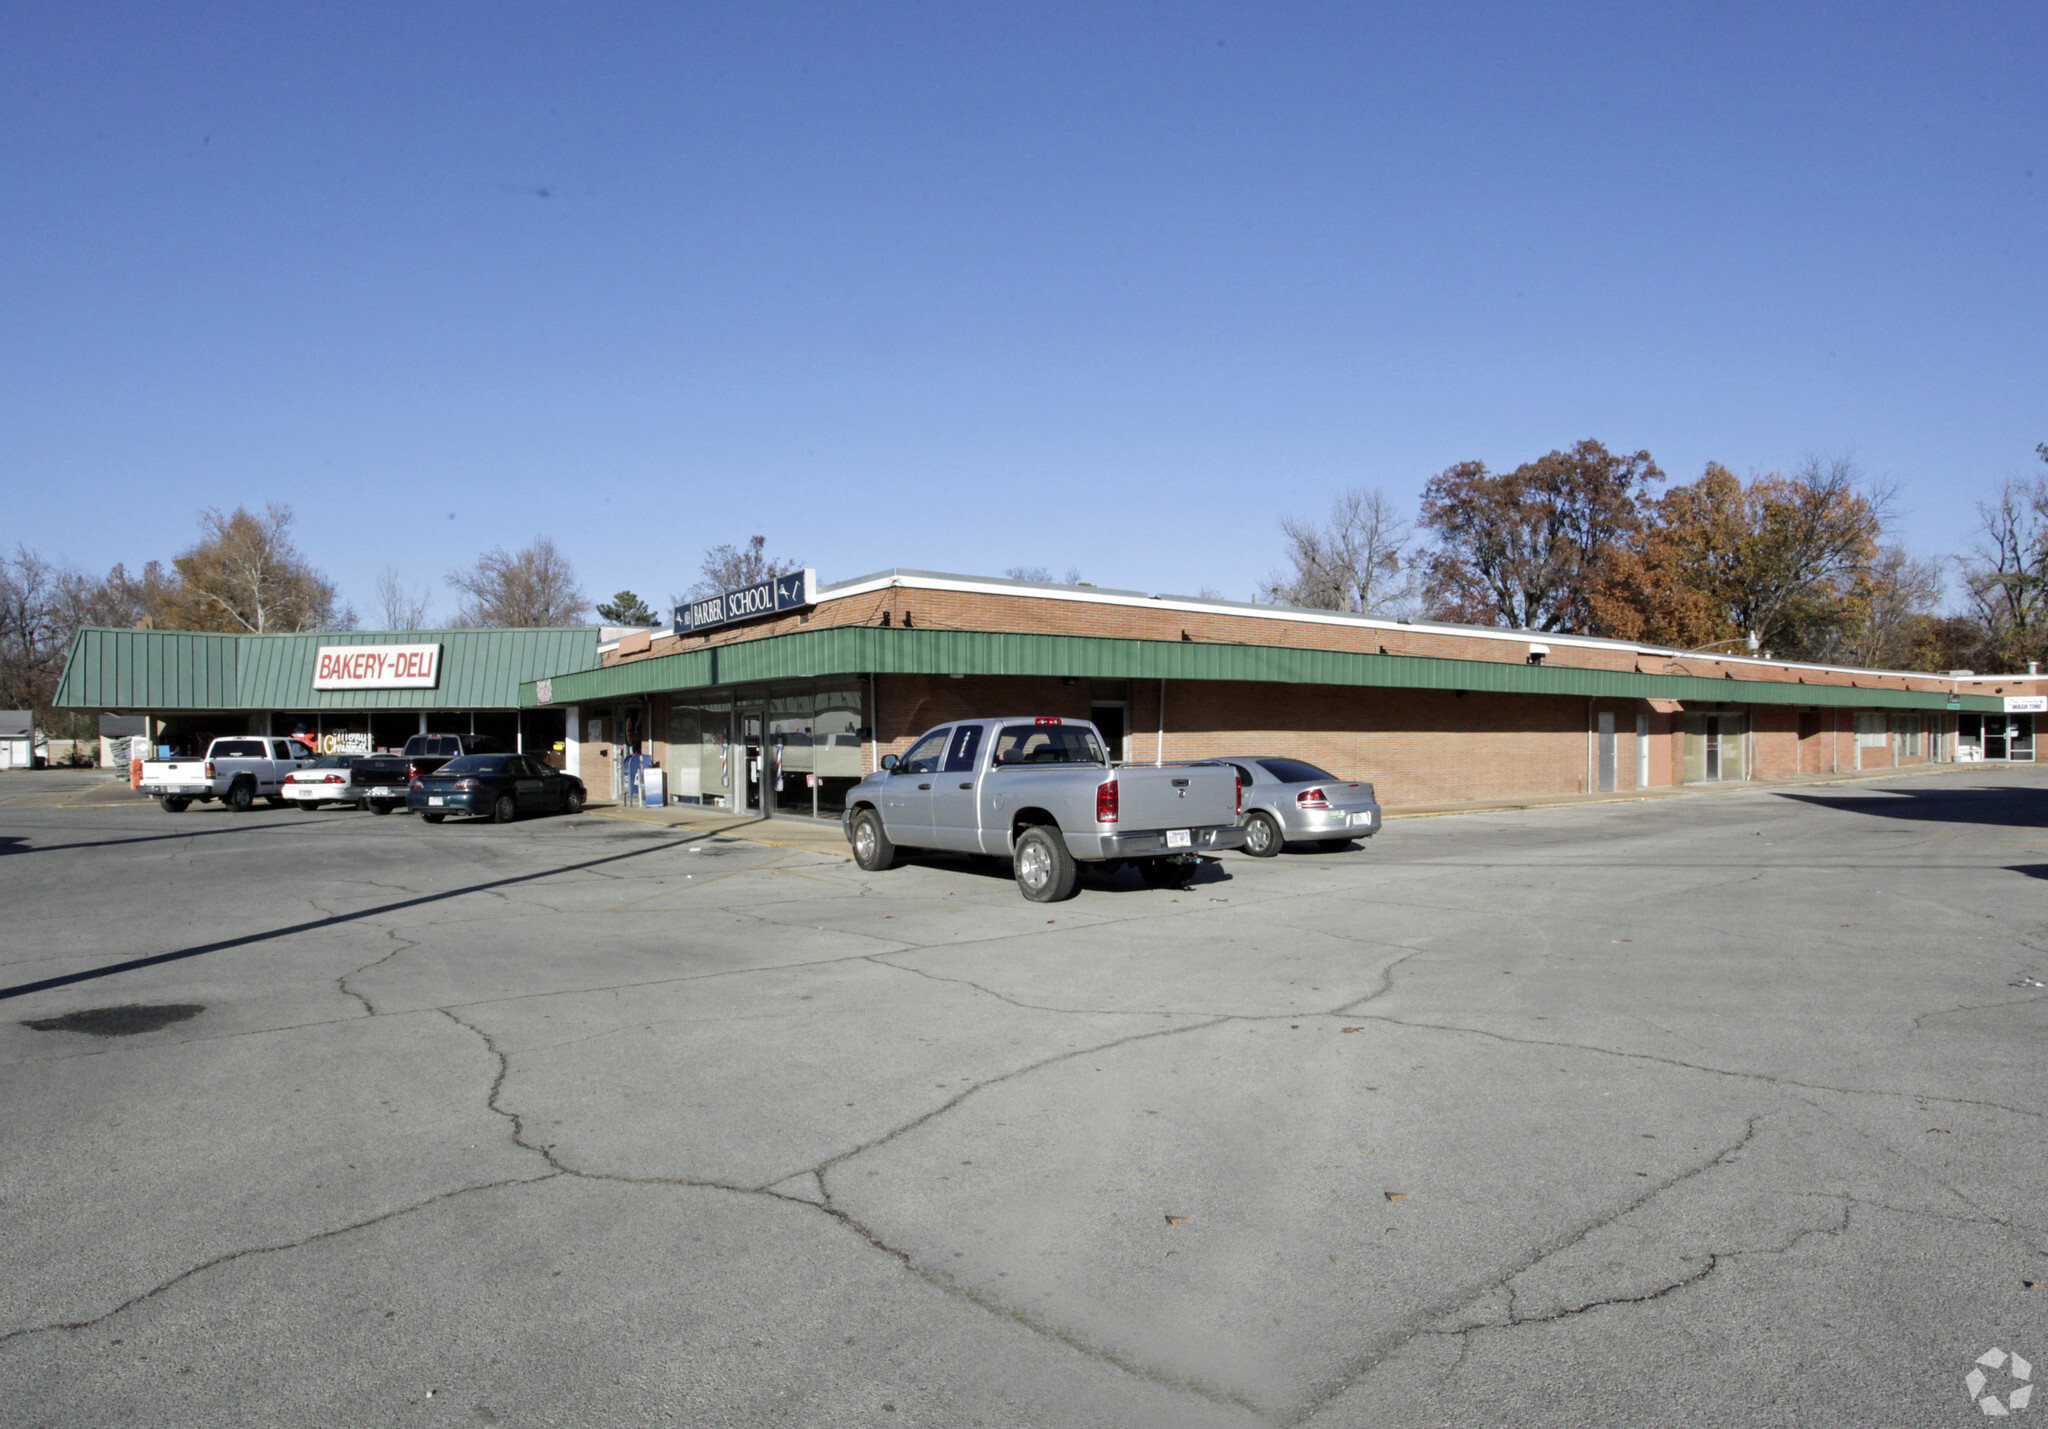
(824, 836)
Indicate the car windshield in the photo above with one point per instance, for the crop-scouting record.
(1048, 744)
(335, 761)
(1293, 771)
(474, 764)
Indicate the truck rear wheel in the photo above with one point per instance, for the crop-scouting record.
(239, 798)
(872, 849)
(380, 806)
(175, 806)
(1045, 869)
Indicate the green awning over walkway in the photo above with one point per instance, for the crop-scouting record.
(858, 649)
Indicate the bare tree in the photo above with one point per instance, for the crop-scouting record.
(536, 587)
(1043, 575)
(729, 567)
(245, 574)
(1352, 560)
(2006, 576)
(1898, 601)
(400, 606)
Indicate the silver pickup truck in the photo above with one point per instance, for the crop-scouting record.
(1041, 792)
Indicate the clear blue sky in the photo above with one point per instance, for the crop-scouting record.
(971, 286)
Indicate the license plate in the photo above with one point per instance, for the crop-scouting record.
(1364, 818)
(1180, 838)
(435, 799)
(381, 794)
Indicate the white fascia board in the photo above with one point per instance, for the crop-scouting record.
(1194, 605)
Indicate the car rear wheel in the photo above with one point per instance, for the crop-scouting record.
(1262, 837)
(432, 818)
(175, 806)
(872, 849)
(239, 798)
(1045, 869)
(505, 810)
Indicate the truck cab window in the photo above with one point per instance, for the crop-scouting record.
(960, 753)
(1048, 744)
(924, 755)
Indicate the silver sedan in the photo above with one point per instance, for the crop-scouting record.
(1292, 801)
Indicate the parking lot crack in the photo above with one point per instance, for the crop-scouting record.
(404, 945)
(1427, 1322)
(248, 1251)
(1701, 1067)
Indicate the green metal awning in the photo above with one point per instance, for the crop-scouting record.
(159, 671)
(857, 649)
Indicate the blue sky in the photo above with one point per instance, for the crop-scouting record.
(964, 287)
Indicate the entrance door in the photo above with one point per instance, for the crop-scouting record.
(1112, 720)
(1606, 752)
(1713, 747)
(2009, 737)
(750, 752)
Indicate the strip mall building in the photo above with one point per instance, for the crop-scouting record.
(777, 698)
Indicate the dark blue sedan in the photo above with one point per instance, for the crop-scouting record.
(498, 787)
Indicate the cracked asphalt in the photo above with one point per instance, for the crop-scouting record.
(1695, 1112)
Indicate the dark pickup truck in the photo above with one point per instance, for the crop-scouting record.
(384, 778)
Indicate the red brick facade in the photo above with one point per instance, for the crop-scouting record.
(1415, 745)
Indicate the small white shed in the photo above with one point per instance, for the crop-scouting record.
(17, 739)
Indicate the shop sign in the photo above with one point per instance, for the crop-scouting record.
(749, 602)
(2026, 704)
(377, 667)
(336, 741)
(544, 692)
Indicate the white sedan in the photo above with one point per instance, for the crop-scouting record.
(329, 779)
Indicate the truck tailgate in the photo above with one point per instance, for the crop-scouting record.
(174, 771)
(1176, 798)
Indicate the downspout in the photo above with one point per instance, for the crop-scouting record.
(875, 724)
(1159, 749)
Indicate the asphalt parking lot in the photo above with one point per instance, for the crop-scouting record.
(1695, 1112)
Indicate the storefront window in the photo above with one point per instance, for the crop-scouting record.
(699, 754)
(788, 751)
(835, 742)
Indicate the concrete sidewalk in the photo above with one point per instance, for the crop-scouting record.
(811, 835)
(1725, 786)
(824, 836)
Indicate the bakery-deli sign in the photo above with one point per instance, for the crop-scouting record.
(770, 597)
(377, 667)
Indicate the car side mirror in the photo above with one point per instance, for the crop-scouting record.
(889, 762)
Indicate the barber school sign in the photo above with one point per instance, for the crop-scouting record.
(749, 602)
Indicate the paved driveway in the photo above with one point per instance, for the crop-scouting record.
(1716, 1111)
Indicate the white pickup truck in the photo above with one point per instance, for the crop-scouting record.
(236, 770)
(1040, 790)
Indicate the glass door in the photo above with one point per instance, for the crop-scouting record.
(751, 718)
(1994, 737)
